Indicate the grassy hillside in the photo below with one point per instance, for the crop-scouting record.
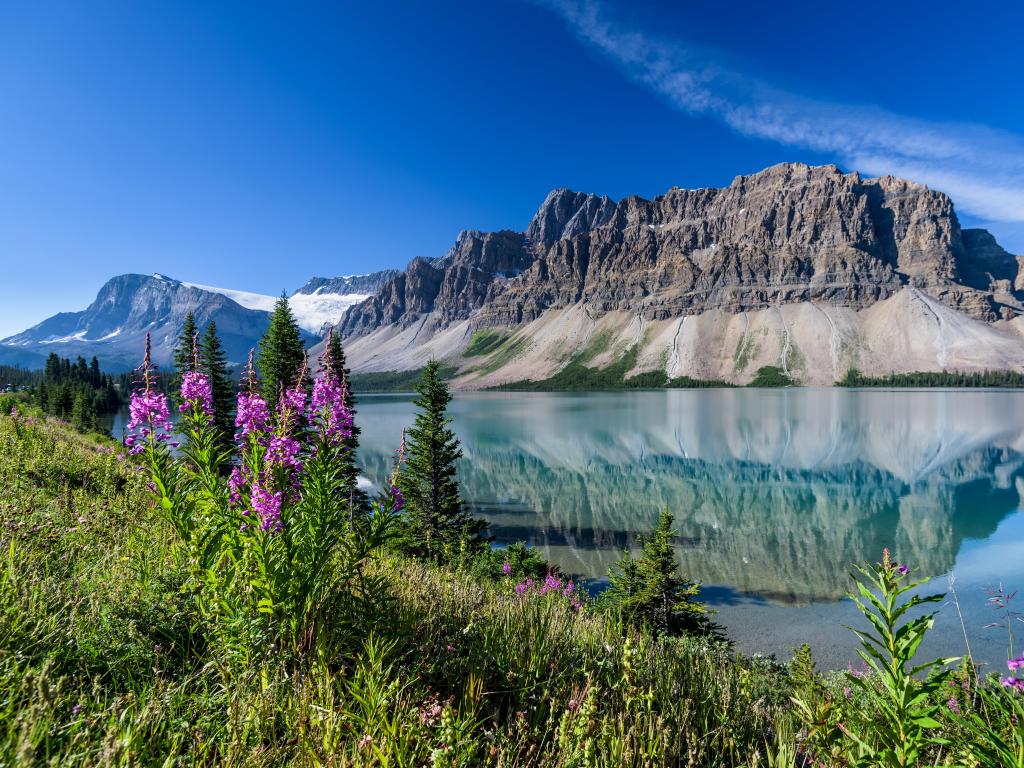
(105, 660)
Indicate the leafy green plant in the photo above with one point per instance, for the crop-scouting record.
(903, 694)
(995, 730)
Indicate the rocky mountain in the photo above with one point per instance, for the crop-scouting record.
(805, 267)
(114, 326)
(349, 285)
(128, 307)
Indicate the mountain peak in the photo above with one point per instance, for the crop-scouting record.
(565, 213)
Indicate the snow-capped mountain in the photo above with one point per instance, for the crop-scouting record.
(127, 307)
(319, 303)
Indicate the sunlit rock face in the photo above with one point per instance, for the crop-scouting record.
(775, 493)
(803, 267)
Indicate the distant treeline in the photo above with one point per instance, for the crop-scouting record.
(13, 376)
(855, 378)
(393, 381)
(76, 391)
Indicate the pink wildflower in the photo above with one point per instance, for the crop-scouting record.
(196, 393)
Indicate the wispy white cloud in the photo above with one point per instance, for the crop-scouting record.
(981, 168)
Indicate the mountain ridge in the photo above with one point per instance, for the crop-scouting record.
(787, 236)
(114, 325)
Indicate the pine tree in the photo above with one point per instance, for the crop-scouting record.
(649, 591)
(83, 413)
(437, 521)
(281, 351)
(184, 360)
(334, 356)
(215, 366)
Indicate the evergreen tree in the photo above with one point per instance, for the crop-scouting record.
(437, 522)
(334, 356)
(282, 352)
(83, 412)
(184, 359)
(649, 591)
(215, 366)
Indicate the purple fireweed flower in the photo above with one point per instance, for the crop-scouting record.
(954, 706)
(267, 506)
(1014, 664)
(848, 693)
(196, 393)
(150, 415)
(149, 407)
(506, 568)
(551, 584)
(252, 415)
(397, 499)
(327, 408)
(524, 586)
(291, 403)
(284, 451)
(237, 481)
(903, 570)
(1012, 682)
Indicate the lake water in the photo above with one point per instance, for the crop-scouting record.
(775, 492)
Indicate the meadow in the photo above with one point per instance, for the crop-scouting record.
(112, 654)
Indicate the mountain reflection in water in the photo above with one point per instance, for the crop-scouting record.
(775, 492)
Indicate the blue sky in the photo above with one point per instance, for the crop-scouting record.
(253, 145)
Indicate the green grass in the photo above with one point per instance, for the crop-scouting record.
(577, 376)
(106, 661)
(772, 376)
(484, 342)
(499, 348)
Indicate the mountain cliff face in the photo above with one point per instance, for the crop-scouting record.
(127, 307)
(792, 234)
(349, 284)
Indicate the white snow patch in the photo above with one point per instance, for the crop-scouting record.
(79, 336)
(112, 334)
(311, 310)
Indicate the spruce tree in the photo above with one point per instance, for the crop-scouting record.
(281, 351)
(214, 364)
(649, 591)
(184, 359)
(334, 356)
(437, 522)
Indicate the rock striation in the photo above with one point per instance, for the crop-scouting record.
(806, 267)
(791, 233)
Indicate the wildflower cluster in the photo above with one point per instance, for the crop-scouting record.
(196, 393)
(260, 542)
(552, 585)
(1012, 681)
(149, 423)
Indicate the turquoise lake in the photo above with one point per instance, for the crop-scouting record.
(775, 492)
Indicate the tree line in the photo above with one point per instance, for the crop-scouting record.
(77, 391)
(1010, 379)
